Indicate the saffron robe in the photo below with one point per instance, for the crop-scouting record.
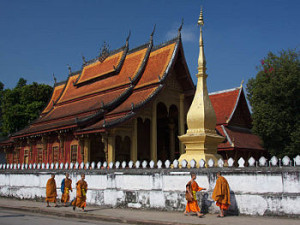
(81, 189)
(221, 193)
(68, 187)
(51, 193)
(193, 205)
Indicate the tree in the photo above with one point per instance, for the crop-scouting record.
(23, 104)
(274, 97)
(1, 99)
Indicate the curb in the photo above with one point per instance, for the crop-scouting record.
(91, 216)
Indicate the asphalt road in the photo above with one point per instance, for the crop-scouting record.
(11, 217)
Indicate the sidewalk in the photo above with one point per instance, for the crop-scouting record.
(137, 216)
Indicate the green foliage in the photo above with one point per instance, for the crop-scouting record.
(1, 99)
(274, 97)
(22, 104)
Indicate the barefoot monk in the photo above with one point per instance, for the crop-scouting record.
(191, 189)
(66, 187)
(81, 189)
(221, 194)
(51, 193)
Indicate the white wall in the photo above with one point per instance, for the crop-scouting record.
(254, 191)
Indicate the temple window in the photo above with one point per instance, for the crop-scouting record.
(26, 156)
(74, 153)
(40, 155)
(55, 154)
(16, 156)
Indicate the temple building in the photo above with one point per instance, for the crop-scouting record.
(234, 123)
(129, 104)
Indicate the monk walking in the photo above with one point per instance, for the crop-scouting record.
(191, 190)
(221, 194)
(81, 189)
(66, 187)
(51, 193)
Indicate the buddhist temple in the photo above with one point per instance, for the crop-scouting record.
(234, 123)
(129, 104)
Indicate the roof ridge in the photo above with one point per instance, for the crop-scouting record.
(60, 83)
(113, 52)
(156, 47)
(224, 91)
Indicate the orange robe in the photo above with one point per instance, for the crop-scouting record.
(68, 187)
(193, 205)
(81, 189)
(51, 190)
(221, 193)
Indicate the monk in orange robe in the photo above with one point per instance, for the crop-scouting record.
(81, 189)
(67, 187)
(192, 188)
(221, 194)
(51, 193)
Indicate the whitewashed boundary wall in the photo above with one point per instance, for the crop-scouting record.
(265, 188)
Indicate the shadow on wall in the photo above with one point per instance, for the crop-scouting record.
(233, 208)
(206, 203)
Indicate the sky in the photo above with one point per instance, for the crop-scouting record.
(39, 37)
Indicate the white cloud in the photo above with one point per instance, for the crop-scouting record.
(188, 33)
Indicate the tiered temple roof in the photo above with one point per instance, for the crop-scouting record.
(234, 120)
(108, 91)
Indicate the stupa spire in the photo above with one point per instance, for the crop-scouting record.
(201, 139)
(201, 58)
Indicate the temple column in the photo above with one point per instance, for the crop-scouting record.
(153, 143)
(181, 122)
(29, 142)
(133, 152)
(45, 149)
(105, 149)
(61, 139)
(87, 149)
(172, 141)
(110, 148)
(81, 144)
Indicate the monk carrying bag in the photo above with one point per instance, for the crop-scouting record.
(188, 196)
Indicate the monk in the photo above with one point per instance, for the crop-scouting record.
(191, 189)
(51, 193)
(66, 187)
(81, 189)
(221, 194)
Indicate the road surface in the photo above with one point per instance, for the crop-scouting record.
(11, 217)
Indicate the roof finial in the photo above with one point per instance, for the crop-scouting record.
(153, 30)
(54, 78)
(242, 83)
(129, 34)
(70, 69)
(201, 58)
(180, 28)
(83, 59)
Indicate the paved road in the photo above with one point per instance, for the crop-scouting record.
(13, 212)
(11, 217)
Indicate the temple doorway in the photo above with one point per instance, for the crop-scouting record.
(96, 149)
(143, 139)
(122, 148)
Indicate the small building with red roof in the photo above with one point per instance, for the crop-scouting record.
(234, 123)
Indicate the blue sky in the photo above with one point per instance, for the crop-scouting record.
(41, 37)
